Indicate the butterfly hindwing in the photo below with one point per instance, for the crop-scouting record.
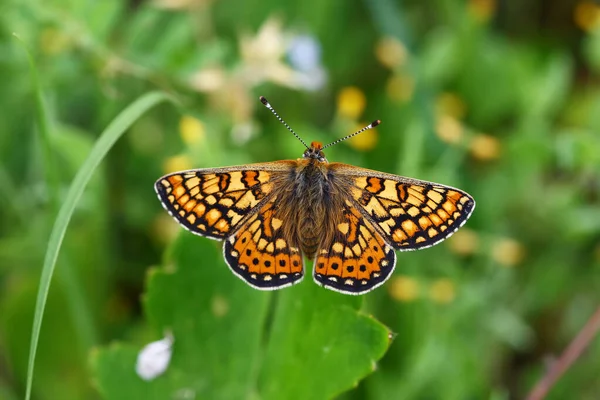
(410, 214)
(357, 260)
(261, 254)
(214, 202)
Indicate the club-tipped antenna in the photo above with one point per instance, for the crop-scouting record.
(366, 128)
(270, 107)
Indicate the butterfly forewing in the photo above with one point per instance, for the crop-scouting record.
(409, 213)
(214, 202)
(357, 260)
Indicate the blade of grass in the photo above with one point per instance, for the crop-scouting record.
(104, 143)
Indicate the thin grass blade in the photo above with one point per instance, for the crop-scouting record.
(104, 143)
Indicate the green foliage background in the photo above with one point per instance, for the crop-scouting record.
(500, 99)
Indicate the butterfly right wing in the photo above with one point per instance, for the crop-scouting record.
(214, 202)
(383, 212)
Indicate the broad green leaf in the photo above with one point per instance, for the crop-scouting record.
(228, 346)
(320, 344)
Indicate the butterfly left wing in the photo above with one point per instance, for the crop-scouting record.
(409, 213)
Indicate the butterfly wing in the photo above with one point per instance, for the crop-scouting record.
(410, 214)
(214, 202)
(261, 254)
(237, 204)
(383, 212)
(356, 259)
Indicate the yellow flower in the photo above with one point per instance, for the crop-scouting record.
(485, 147)
(391, 52)
(403, 288)
(351, 102)
(400, 87)
(449, 129)
(442, 291)
(587, 15)
(191, 130)
(451, 104)
(508, 252)
(464, 242)
(177, 163)
(482, 10)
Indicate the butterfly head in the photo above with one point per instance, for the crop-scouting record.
(315, 152)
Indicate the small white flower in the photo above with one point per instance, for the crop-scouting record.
(154, 358)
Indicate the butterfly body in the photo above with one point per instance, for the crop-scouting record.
(312, 196)
(349, 220)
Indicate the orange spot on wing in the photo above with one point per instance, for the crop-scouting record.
(250, 178)
(224, 180)
(175, 179)
(424, 222)
(399, 236)
(375, 185)
(409, 227)
(349, 268)
(449, 207)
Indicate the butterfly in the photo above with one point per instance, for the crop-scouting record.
(349, 220)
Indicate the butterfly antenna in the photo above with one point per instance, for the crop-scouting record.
(366, 128)
(270, 107)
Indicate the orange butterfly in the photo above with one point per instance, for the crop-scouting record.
(349, 220)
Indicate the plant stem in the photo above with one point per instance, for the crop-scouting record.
(569, 356)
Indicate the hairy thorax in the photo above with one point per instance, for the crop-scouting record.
(310, 190)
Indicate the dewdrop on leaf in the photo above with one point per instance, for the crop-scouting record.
(154, 358)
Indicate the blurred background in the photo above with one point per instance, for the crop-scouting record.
(499, 98)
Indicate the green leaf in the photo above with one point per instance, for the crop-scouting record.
(228, 346)
(320, 337)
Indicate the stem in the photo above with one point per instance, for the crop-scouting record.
(569, 356)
